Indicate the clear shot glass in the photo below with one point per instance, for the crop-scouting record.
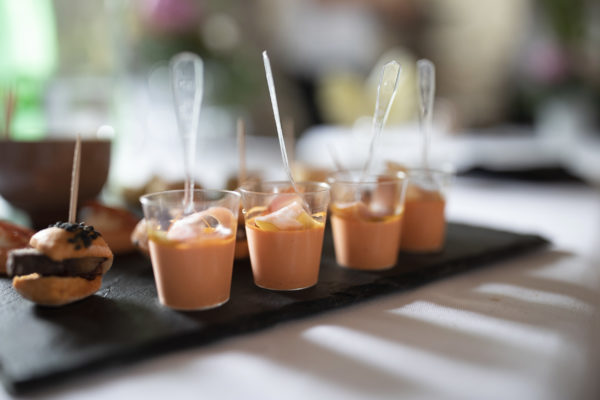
(285, 232)
(192, 252)
(366, 215)
(424, 225)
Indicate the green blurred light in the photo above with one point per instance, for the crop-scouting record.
(29, 38)
(28, 57)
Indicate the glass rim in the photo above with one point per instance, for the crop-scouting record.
(149, 197)
(322, 187)
(371, 178)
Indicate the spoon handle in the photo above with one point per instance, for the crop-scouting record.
(426, 82)
(271, 84)
(187, 71)
(386, 92)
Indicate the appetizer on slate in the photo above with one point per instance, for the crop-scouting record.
(139, 237)
(131, 195)
(66, 261)
(11, 237)
(65, 264)
(116, 225)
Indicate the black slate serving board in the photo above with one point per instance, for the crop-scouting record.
(124, 322)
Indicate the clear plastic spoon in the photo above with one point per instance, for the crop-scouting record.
(426, 89)
(271, 83)
(386, 92)
(187, 72)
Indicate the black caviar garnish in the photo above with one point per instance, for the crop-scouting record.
(84, 234)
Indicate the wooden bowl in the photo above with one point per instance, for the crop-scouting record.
(36, 176)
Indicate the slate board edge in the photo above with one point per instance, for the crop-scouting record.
(153, 348)
(528, 244)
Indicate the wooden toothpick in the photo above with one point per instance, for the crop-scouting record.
(241, 143)
(75, 181)
(10, 102)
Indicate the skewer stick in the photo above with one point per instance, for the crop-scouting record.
(75, 181)
(10, 102)
(5, 112)
(334, 157)
(241, 143)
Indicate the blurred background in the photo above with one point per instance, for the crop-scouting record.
(518, 81)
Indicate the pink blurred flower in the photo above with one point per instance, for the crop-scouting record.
(547, 63)
(174, 16)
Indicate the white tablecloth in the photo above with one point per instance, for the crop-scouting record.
(525, 328)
